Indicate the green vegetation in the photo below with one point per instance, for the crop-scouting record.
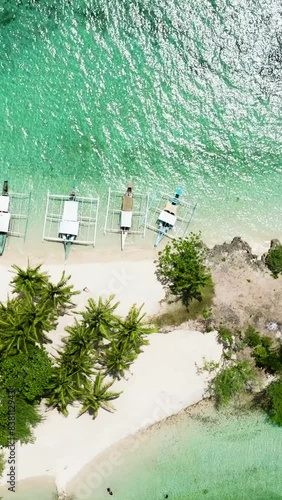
(28, 374)
(252, 337)
(98, 344)
(231, 381)
(225, 336)
(176, 313)
(274, 260)
(274, 394)
(26, 415)
(98, 395)
(256, 356)
(181, 269)
(2, 464)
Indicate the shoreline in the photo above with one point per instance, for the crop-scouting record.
(61, 449)
(107, 249)
(60, 440)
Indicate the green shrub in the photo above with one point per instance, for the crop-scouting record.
(225, 336)
(252, 337)
(274, 261)
(231, 381)
(26, 416)
(2, 464)
(274, 394)
(181, 269)
(268, 358)
(266, 342)
(28, 374)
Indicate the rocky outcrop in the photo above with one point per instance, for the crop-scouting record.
(220, 253)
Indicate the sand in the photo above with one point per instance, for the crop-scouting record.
(163, 380)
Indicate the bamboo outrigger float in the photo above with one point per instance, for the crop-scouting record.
(126, 214)
(5, 216)
(14, 212)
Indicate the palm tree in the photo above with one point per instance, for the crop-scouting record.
(97, 396)
(78, 341)
(22, 323)
(14, 342)
(58, 296)
(78, 366)
(29, 281)
(132, 330)
(100, 321)
(62, 391)
(117, 359)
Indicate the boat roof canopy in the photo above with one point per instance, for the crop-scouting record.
(167, 218)
(70, 212)
(4, 203)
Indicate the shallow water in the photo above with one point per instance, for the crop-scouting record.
(215, 457)
(30, 489)
(168, 93)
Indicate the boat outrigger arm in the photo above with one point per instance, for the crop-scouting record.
(5, 216)
(126, 214)
(69, 224)
(167, 217)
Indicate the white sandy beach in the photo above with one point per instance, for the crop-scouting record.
(163, 381)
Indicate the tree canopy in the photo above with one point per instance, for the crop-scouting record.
(27, 373)
(98, 346)
(181, 269)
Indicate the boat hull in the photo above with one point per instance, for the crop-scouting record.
(123, 238)
(3, 238)
(161, 234)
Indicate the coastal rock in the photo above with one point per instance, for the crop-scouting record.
(228, 251)
(275, 243)
(236, 245)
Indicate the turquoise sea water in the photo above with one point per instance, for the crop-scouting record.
(215, 458)
(169, 93)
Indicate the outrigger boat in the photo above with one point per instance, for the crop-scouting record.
(126, 214)
(167, 217)
(4, 216)
(69, 224)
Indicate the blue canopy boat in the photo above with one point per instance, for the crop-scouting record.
(167, 217)
(4, 216)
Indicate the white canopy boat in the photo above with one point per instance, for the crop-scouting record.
(69, 224)
(126, 214)
(5, 216)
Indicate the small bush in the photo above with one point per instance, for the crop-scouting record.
(231, 381)
(27, 416)
(274, 260)
(267, 358)
(225, 336)
(274, 393)
(252, 337)
(266, 342)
